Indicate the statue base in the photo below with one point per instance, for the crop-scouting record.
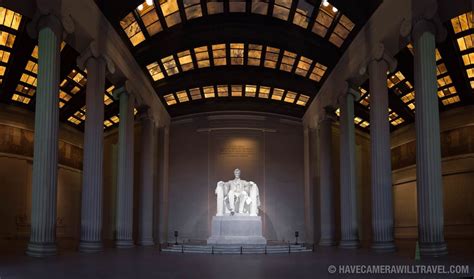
(243, 230)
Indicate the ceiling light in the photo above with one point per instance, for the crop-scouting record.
(140, 8)
(149, 2)
(325, 3)
(334, 9)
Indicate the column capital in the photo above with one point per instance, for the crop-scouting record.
(328, 114)
(427, 21)
(379, 53)
(45, 16)
(145, 113)
(124, 88)
(349, 90)
(94, 52)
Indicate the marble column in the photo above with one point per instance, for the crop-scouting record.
(162, 199)
(326, 180)
(308, 186)
(145, 217)
(349, 227)
(428, 151)
(381, 168)
(92, 199)
(124, 204)
(45, 161)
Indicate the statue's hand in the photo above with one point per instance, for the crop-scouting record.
(220, 184)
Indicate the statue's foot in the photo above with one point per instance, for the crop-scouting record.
(232, 213)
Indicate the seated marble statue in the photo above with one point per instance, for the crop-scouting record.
(237, 196)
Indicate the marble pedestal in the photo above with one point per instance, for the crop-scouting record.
(243, 230)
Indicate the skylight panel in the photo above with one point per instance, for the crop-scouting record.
(277, 94)
(182, 96)
(318, 72)
(303, 13)
(288, 61)
(237, 54)
(250, 90)
(202, 56)
(170, 11)
(260, 7)
(254, 55)
(155, 71)
(215, 7)
(209, 92)
(302, 100)
(236, 90)
(131, 28)
(271, 57)
(9, 18)
(170, 65)
(264, 92)
(192, 8)
(281, 9)
(222, 91)
(149, 18)
(290, 97)
(237, 6)
(170, 99)
(219, 54)
(185, 60)
(195, 93)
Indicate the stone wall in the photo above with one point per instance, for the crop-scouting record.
(16, 152)
(457, 149)
(206, 149)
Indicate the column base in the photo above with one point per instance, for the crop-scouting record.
(327, 242)
(125, 243)
(436, 249)
(384, 247)
(146, 242)
(349, 244)
(41, 250)
(91, 246)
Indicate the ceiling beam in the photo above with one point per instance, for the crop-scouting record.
(237, 75)
(234, 28)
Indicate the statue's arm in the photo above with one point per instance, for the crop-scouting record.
(219, 187)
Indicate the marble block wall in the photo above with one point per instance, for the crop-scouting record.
(205, 149)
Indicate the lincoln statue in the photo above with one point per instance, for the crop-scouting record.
(237, 196)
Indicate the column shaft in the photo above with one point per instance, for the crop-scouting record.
(326, 184)
(349, 228)
(91, 211)
(146, 182)
(45, 161)
(381, 179)
(428, 151)
(124, 217)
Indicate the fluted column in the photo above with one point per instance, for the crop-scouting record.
(381, 168)
(145, 217)
(326, 180)
(49, 30)
(349, 228)
(92, 200)
(124, 210)
(428, 151)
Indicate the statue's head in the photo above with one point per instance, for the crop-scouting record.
(237, 173)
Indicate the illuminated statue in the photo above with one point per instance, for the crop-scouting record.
(237, 196)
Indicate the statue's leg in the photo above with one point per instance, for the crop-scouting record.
(220, 201)
(242, 199)
(253, 204)
(231, 196)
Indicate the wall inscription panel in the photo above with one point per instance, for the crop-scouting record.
(235, 149)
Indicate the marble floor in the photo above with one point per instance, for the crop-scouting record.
(140, 262)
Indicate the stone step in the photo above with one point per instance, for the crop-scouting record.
(236, 249)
